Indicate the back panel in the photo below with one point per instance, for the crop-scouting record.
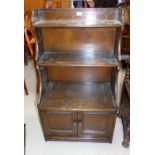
(79, 74)
(78, 39)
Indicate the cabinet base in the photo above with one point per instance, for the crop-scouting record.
(79, 139)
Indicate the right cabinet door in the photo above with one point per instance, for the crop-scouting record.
(96, 124)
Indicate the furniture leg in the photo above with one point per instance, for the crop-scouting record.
(126, 140)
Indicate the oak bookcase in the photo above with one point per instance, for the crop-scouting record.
(77, 60)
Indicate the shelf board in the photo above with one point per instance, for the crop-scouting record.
(77, 59)
(77, 23)
(78, 97)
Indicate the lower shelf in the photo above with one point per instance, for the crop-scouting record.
(78, 97)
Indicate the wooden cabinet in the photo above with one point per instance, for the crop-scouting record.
(77, 61)
(80, 125)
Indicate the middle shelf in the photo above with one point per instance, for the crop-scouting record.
(77, 59)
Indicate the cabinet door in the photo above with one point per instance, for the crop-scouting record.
(95, 124)
(59, 123)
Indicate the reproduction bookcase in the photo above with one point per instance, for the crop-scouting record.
(77, 60)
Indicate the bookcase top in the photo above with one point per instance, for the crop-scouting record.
(81, 17)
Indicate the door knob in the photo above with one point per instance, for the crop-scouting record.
(80, 124)
(75, 124)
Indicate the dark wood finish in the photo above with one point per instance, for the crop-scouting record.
(78, 97)
(59, 123)
(125, 39)
(79, 74)
(124, 113)
(96, 124)
(125, 44)
(124, 110)
(79, 126)
(70, 40)
(77, 62)
(113, 83)
(110, 3)
(77, 59)
(105, 3)
(77, 18)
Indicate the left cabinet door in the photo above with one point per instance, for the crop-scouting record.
(58, 124)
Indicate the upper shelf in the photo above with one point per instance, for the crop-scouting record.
(77, 59)
(92, 17)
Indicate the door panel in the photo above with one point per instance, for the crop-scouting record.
(59, 123)
(95, 124)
